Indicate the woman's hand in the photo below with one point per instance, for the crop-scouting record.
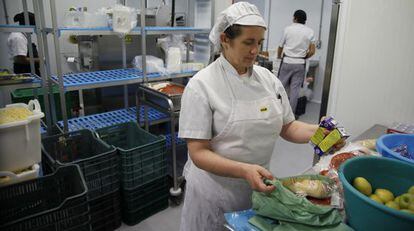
(340, 144)
(254, 174)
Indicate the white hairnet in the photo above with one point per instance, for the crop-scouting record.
(241, 13)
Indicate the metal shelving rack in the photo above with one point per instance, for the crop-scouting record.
(41, 35)
(118, 77)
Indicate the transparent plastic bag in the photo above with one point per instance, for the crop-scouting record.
(154, 64)
(173, 60)
(124, 19)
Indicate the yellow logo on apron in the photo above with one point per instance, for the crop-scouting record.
(263, 109)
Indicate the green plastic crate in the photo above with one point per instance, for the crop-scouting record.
(98, 161)
(24, 95)
(143, 155)
(144, 201)
(152, 191)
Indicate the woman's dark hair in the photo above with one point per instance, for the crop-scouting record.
(233, 31)
(300, 16)
(20, 19)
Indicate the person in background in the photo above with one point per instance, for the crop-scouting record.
(17, 44)
(232, 113)
(296, 45)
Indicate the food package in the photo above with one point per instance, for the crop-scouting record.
(14, 114)
(307, 187)
(327, 123)
(318, 189)
(368, 143)
(168, 88)
(330, 140)
(403, 128)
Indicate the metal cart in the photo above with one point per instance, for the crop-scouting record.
(170, 105)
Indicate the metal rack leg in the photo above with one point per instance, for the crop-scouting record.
(175, 190)
(81, 103)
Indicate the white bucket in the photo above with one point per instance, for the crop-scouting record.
(20, 141)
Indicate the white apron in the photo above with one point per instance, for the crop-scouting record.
(249, 136)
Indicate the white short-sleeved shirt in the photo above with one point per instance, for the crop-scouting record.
(295, 42)
(206, 102)
(17, 44)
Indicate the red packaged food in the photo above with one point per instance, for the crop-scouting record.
(337, 160)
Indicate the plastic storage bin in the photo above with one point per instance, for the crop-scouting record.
(7, 178)
(24, 95)
(364, 213)
(20, 140)
(144, 201)
(106, 212)
(98, 161)
(143, 156)
(387, 142)
(54, 202)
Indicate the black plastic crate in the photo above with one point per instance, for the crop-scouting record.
(106, 212)
(143, 155)
(152, 191)
(53, 202)
(144, 201)
(98, 161)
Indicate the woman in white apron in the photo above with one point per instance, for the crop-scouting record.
(232, 112)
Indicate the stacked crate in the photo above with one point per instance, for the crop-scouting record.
(55, 202)
(99, 164)
(144, 188)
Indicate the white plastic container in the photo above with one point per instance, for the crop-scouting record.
(7, 178)
(20, 141)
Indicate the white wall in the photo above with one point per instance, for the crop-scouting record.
(373, 72)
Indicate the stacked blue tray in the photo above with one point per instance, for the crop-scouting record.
(111, 118)
(100, 77)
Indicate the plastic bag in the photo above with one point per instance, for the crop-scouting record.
(173, 60)
(124, 19)
(154, 64)
(284, 206)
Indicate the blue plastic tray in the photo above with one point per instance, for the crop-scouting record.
(239, 221)
(97, 77)
(110, 118)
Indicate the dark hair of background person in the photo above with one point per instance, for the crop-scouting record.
(300, 16)
(20, 18)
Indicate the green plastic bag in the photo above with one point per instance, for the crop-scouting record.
(291, 212)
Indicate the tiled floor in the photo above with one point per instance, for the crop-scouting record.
(288, 159)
